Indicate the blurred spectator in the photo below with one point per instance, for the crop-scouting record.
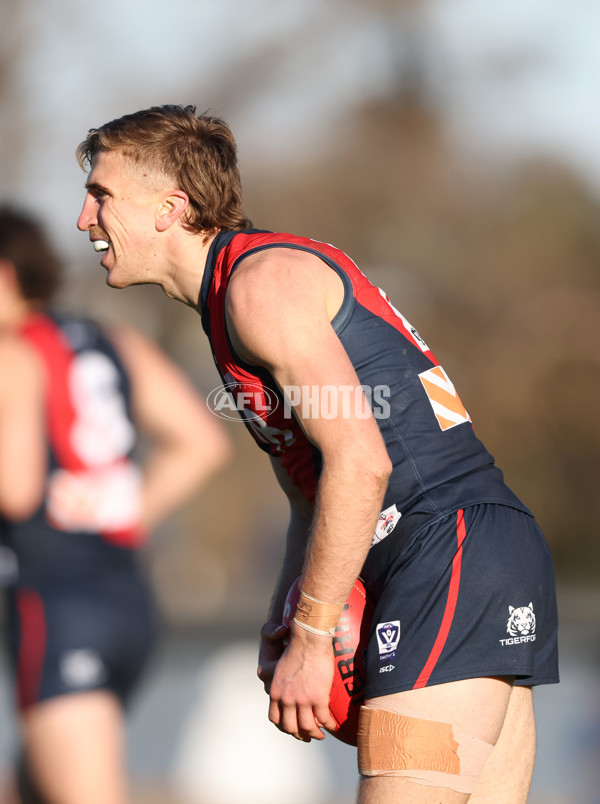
(75, 508)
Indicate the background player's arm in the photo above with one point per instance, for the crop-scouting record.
(22, 429)
(272, 633)
(301, 517)
(188, 443)
(292, 298)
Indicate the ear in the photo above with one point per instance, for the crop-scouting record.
(10, 291)
(510, 609)
(170, 209)
(8, 273)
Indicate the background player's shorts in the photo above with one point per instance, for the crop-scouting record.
(470, 595)
(78, 638)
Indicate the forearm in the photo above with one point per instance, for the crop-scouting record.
(349, 502)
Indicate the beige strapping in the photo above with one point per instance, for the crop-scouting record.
(391, 742)
(422, 750)
(320, 616)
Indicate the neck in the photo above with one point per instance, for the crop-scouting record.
(13, 313)
(184, 281)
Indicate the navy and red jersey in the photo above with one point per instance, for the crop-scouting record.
(438, 462)
(91, 437)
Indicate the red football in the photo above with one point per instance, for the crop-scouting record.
(349, 642)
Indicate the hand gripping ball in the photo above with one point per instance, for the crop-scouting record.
(349, 643)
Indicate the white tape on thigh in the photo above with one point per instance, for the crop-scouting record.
(402, 741)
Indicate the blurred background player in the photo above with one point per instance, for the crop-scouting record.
(74, 511)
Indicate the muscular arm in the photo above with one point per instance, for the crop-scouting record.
(293, 297)
(188, 443)
(22, 429)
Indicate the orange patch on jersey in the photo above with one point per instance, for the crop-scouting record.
(449, 410)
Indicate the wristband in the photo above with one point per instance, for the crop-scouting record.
(318, 631)
(316, 616)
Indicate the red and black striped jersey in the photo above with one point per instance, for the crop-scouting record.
(90, 441)
(438, 462)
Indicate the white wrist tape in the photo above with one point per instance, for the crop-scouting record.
(318, 631)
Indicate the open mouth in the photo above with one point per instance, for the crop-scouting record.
(100, 245)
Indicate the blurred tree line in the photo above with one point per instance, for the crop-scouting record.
(496, 267)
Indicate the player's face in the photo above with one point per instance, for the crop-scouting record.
(119, 212)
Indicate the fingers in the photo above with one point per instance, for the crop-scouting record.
(273, 632)
(298, 681)
(303, 721)
(324, 718)
(265, 672)
(299, 722)
(308, 724)
(272, 646)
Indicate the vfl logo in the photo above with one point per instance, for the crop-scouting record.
(521, 625)
(388, 636)
(448, 408)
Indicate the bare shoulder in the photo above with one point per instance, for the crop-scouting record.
(12, 347)
(278, 291)
(20, 364)
(284, 272)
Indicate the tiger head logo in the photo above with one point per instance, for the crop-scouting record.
(521, 621)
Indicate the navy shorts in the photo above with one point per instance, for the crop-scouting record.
(470, 595)
(79, 638)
